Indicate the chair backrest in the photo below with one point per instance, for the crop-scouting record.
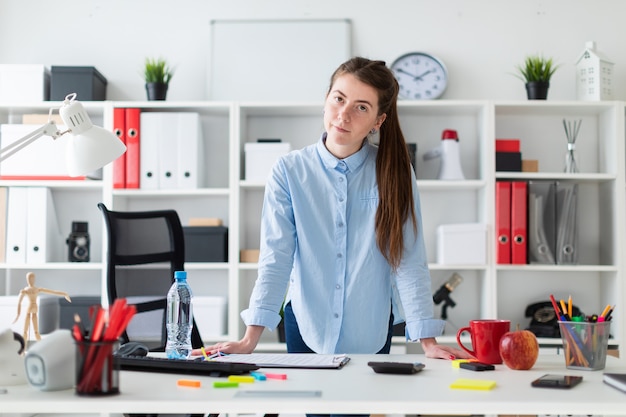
(144, 249)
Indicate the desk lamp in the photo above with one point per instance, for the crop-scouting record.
(91, 148)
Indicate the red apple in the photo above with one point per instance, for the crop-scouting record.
(519, 349)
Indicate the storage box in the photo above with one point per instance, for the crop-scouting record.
(261, 157)
(58, 313)
(86, 82)
(210, 316)
(463, 243)
(19, 83)
(206, 243)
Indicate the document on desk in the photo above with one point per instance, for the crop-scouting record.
(288, 360)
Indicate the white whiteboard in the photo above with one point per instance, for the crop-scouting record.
(276, 60)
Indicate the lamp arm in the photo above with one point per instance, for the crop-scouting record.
(49, 129)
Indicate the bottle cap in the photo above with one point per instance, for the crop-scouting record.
(449, 134)
(180, 275)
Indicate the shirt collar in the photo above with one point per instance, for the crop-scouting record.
(330, 161)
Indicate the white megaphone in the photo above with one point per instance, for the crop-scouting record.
(450, 168)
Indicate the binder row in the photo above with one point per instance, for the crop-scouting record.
(164, 149)
(536, 222)
(32, 235)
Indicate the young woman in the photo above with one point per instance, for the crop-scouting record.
(341, 230)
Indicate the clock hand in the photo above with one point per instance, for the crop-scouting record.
(419, 77)
(407, 73)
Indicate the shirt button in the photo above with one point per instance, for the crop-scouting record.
(336, 315)
(341, 199)
(338, 286)
(340, 224)
(340, 179)
(339, 255)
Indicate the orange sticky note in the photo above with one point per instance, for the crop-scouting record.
(188, 383)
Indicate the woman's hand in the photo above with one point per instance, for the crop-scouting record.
(436, 351)
(245, 345)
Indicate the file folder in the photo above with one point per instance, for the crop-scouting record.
(541, 222)
(16, 228)
(119, 165)
(518, 222)
(133, 138)
(167, 157)
(4, 201)
(149, 152)
(503, 222)
(567, 229)
(190, 152)
(43, 239)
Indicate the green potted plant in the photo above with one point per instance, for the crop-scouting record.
(536, 73)
(157, 74)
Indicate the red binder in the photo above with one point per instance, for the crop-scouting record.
(519, 193)
(119, 165)
(132, 145)
(503, 222)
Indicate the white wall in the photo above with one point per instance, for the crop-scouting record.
(481, 41)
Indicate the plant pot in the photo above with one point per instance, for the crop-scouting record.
(537, 90)
(156, 91)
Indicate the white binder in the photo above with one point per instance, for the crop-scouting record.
(44, 242)
(149, 151)
(171, 150)
(190, 152)
(16, 226)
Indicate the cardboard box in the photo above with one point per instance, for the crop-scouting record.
(86, 82)
(249, 255)
(210, 316)
(20, 83)
(206, 243)
(261, 157)
(462, 244)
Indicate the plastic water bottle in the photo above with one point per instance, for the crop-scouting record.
(179, 318)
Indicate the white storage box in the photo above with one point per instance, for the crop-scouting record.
(462, 243)
(261, 157)
(8, 311)
(24, 83)
(210, 316)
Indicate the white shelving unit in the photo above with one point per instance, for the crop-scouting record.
(487, 291)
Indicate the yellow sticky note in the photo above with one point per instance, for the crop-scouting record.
(240, 378)
(477, 384)
(457, 362)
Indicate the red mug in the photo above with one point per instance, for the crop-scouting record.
(485, 337)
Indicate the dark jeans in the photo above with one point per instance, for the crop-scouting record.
(295, 344)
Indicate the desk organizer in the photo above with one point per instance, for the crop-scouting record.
(585, 344)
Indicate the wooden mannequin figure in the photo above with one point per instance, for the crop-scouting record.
(31, 292)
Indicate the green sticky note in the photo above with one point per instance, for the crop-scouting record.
(225, 384)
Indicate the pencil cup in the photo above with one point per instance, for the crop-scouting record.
(97, 373)
(585, 344)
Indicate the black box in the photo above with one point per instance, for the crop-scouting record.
(86, 82)
(206, 243)
(509, 161)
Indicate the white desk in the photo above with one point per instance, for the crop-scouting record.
(353, 389)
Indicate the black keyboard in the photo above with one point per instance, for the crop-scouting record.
(183, 366)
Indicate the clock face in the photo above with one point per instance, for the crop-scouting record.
(420, 76)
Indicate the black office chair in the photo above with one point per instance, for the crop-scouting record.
(144, 250)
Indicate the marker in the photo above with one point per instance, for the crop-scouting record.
(188, 383)
(225, 384)
(569, 306)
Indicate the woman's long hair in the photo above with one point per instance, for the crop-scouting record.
(393, 164)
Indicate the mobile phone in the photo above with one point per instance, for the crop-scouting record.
(557, 381)
(396, 367)
(477, 366)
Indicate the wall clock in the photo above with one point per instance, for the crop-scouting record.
(421, 76)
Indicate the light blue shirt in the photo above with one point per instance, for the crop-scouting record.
(318, 240)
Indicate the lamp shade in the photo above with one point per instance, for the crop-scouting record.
(90, 147)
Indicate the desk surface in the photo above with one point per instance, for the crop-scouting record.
(353, 389)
